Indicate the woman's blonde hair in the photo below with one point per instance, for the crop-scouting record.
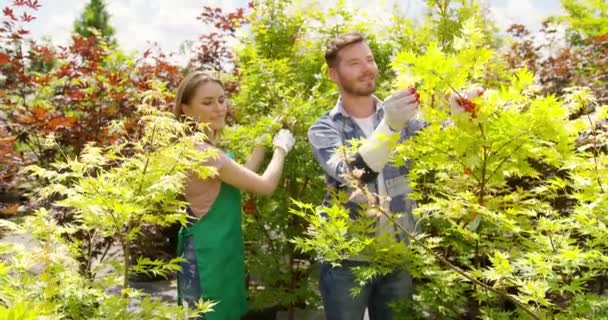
(186, 91)
(187, 88)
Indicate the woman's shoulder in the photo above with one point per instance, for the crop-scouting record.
(216, 157)
(202, 146)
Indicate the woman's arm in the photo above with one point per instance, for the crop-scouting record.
(256, 158)
(245, 179)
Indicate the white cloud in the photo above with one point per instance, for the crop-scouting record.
(530, 13)
(515, 11)
(172, 22)
(137, 22)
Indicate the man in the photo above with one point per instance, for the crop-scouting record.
(358, 114)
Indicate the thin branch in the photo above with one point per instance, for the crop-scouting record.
(143, 174)
(599, 182)
(455, 268)
(436, 255)
(502, 162)
(464, 166)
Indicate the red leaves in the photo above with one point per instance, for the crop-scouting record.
(33, 4)
(225, 22)
(213, 50)
(61, 122)
(26, 17)
(4, 58)
(412, 90)
(40, 113)
(45, 121)
(468, 105)
(468, 171)
(44, 54)
(249, 207)
(80, 44)
(75, 94)
(8, 12)
(84, 92)
(114, 78)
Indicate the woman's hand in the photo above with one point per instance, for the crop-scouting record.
(284, 140)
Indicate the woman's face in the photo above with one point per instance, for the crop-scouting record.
(208, 105)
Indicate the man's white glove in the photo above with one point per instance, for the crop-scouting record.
(462, 103)
(284, 140)
(399, 109)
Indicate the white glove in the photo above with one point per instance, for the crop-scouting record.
(462, 103)
(400, 108)
(284, 140)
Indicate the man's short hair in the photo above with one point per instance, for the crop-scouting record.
(338, 43)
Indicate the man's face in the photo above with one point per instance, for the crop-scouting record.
(356, 70)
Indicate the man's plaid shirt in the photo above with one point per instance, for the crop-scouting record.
(337, 128)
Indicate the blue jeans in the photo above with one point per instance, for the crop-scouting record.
(336, 284)
(189, 278)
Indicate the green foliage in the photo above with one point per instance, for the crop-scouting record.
(589, 17)
(511, 217)
(495, 240)
(95, 16)
(43, 282)
(114, 190)
(284, 76)
(280, 79)
(436, 72)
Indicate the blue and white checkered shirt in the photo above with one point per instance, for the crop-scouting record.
(337, 128)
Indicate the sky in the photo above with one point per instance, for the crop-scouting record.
(172, 22)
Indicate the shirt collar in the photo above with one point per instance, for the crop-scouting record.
(338, 109)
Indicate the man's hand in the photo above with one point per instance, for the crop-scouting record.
(462, 103)
(400, 108)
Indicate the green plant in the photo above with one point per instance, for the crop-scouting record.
(492, 239)
(43, 282)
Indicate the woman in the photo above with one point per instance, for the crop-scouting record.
(213, 243)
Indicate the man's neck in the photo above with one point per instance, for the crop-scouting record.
(358, 106)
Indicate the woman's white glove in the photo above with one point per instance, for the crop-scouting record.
(462, 103)
(284, 140)
(400, 108)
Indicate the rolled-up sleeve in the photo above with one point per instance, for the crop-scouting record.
(325, 141)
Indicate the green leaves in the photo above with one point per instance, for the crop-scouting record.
(533, 179)
(438, 71)
(509, 165)
(331, 234)
(112, 191)
(589, 17)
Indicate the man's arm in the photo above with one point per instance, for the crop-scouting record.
(325, 141)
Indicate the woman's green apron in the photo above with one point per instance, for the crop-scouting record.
(218, 242)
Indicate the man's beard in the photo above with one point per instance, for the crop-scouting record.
(357, 88)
